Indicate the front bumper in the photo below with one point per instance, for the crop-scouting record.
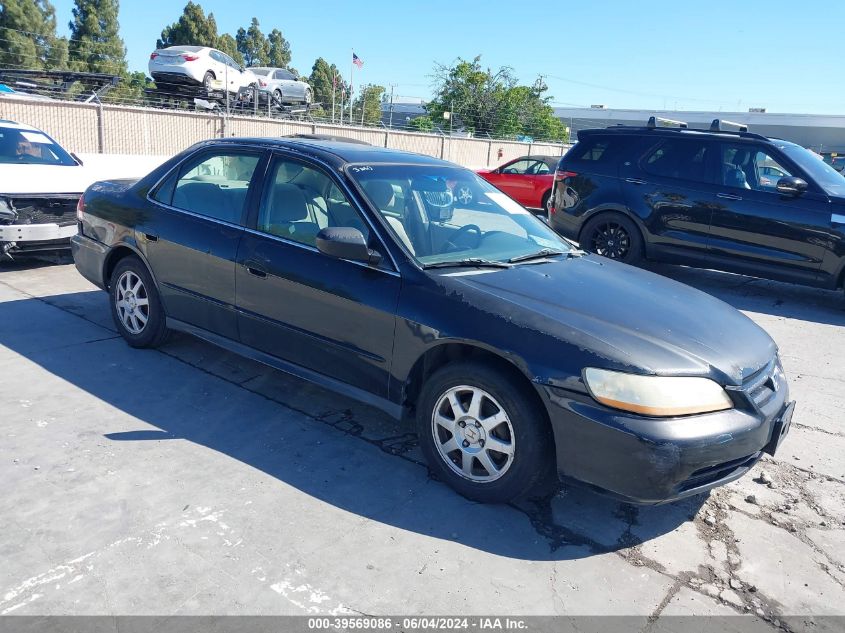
(650, 460)
(35, 232)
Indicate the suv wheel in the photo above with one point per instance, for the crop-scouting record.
(613, 236)
(135, 304)
(481, 434)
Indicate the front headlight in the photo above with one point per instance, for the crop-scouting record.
(661, 396)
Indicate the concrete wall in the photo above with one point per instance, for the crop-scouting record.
(108, 129)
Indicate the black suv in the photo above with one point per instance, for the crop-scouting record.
(734, 201)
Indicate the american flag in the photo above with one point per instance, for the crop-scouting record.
(357, 61)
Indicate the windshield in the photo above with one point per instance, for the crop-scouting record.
(823, 174)
(260, 71)
(448, 214)
(30, 147)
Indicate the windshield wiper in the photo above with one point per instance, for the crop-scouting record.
(469, 262)
(541, 254)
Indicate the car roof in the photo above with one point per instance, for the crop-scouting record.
(335, 151)
(670, 131)
(185, 47)
(18, 126)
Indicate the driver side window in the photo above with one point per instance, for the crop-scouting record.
(519, 167)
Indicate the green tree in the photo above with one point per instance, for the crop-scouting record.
(487, 102)
(252, 45)
(321, 80)
(368, 100)
(228, 45)
(422, 124)
(95, 43)
(192, 28)
(279, 49)
(28, 36)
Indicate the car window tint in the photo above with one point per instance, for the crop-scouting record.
(519, 167)
(684, 159)
(300, 200)
(164, 192)
(215, 185)
(767, 171)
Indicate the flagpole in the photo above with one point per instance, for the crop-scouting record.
(351, 66)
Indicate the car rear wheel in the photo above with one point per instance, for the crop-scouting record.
(206, 81)
(481, 433)
(135, 304)
(547, 203)
(308, 96)
(613, 236)
(277, 97)
(464, 194)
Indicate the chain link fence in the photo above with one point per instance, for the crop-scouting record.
(115, 129)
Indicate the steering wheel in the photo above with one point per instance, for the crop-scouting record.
(451, 243)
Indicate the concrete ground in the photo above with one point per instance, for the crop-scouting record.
(191, 481)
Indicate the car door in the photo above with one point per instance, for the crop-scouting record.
(191, 239)
(539, 181)
(757, 230)
(290, 88)
(217, 63)
(512, 179)
(669, 183)
(232, 73)
(333, 316)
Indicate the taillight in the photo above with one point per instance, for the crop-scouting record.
(80, 209)
(262, 83)
(153, 55)
(190, 58)
(562, 173)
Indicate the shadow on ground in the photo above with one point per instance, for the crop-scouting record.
(169, 390)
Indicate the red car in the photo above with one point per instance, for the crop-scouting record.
(527, 179)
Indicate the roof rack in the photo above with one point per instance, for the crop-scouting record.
(654, 120)
(717, 124)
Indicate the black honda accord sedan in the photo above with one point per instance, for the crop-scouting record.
(357, 268)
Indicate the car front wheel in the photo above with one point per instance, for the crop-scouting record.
(135, 304)
(613, 236)
(482, 434)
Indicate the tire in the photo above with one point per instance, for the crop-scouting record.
(308, 96)
(546, 203)
(465, 194)
(277, 98)
(614, 236)
(136, 310)
(447, 436)
(207, 79)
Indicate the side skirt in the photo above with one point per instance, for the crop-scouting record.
(332, 384)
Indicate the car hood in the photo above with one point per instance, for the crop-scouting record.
(45, 179)
(635, 320)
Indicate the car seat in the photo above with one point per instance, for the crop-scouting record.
(287, 215)
(383, 197)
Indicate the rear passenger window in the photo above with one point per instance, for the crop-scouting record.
(215, 185)
(300, 201)
(684, 159)
(598, 154)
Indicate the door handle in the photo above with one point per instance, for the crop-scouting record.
(253, 269)
(728, 196)
(150, 237)
(635, 181)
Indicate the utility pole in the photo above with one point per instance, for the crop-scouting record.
(363, 103)
(390, 124)
(334, 87)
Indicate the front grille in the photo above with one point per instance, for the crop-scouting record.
(59, 210)
(761, 386)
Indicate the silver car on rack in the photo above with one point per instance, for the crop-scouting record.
(282, 85)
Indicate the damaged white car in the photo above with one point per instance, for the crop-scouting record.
(40, 185)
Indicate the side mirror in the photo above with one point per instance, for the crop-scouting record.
(791, 186)
(345, 242)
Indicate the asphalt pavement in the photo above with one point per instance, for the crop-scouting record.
(188, 480)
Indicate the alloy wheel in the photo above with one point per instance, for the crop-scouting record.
(611, 240)
(132, 302)
(473, 434)
(464, 194)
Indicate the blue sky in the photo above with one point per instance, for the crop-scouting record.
(715, 55)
